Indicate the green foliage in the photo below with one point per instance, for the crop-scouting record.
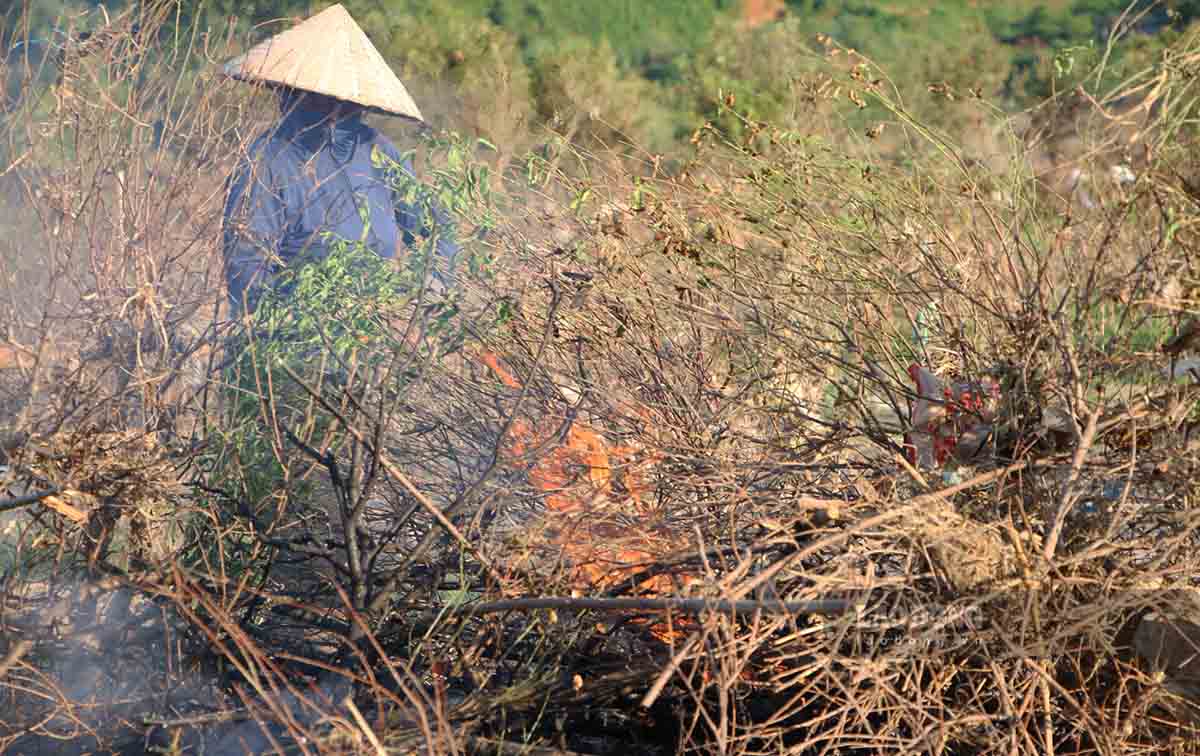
(583, 91)
(249, 13)
(319, 319)
(337, 303)
(459, 180)
(501, 69)
(727, 66)
(645, 38)
(39, 18)
(351, 298)
(333, 325)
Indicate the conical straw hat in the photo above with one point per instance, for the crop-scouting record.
(331, 55)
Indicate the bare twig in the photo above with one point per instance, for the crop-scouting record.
(398, 475)
(14, 656)
(1067, 498)
(667, 672)
(365, 728)
(199, 720)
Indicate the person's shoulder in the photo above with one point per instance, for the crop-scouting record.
(265, 144)
(271, 147)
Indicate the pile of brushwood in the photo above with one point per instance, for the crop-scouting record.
(638, 482)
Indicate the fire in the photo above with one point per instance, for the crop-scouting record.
(598, 494)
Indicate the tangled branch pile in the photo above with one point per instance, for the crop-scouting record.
(640, 481)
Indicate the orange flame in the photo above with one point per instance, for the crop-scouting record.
(594, 488)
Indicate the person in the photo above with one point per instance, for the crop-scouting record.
(314, 177)
(310, 179)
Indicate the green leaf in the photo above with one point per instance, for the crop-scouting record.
(580, 199)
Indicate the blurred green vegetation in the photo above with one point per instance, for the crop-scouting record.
(655, 72)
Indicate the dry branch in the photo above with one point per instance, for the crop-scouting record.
(14, 656)
(689, 606)
(24, 500)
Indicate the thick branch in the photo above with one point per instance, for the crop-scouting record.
(689, 606)
(21, 501)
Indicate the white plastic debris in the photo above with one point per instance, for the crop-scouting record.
(1122, 174)
(1189, 368)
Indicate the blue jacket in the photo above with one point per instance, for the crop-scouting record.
(309, 175)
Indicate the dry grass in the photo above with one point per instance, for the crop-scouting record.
(643, 486)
